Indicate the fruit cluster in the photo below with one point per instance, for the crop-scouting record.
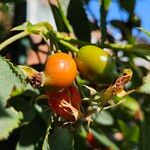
(93, 64)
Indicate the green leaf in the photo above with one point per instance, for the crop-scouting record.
(4, 8)
(46, 143)
(32, 135)
(102, 138)
(134, 134)
(145, 31)
(76, 13)
(145, 135)
(128, 5)
(131, 133)
(80, 135)
(9, 120)
(41, 28)
(22, 27)
(123, 127)
(61, 139)
(64, 5)
(23, 103)
(11, 78)
(104, 118)
(130, 104)
(145, 88)
(12, 82)
(58, 19)
(107, 4)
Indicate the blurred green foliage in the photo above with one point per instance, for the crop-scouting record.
(125, 127)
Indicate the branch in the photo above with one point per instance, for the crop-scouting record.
(13, 39)
(71, 47)
(128, 47)
(123, 47)
(103, 29)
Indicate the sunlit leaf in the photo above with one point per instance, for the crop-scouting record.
(130, 105)
(107, 3)
(11, 77)
(28, 71)
(145, 31)
(22, 27)
(64, 5)
(41, 28)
